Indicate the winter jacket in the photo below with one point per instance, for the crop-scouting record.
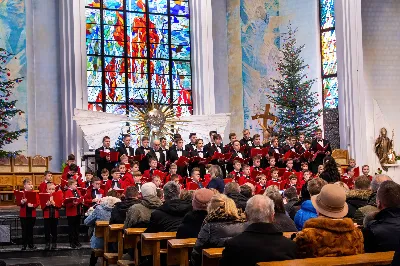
(169, 216)
(283, 223)
(100, 213)
(383, 233)
(306, 212)
(217, 183)
(325, 237)
(239, 200)
(191, 224)
(138, 215)
(217, 228)
(120, 209)
(362, 212)
(356, 199)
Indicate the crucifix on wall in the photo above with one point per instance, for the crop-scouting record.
(267, 130)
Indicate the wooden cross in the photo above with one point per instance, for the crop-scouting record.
(266, 116)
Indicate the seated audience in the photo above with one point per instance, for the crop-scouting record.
(382, 232)
(307, 209)
(138, 215)
(329, 235)
(358, 197)
(281, 220)
(118, 214)
(232, 191)
(169, 215)
(291, 198)
(217, 181)
(331, 173)
(191, 224)
(102, 212)
(371, 206)
(246, 191)
(261, 241)
(342, 185)
(222, 223)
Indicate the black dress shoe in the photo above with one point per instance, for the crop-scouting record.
(72, 245)
(47, 247)
(32, 247)
(53, 246)
(23, 248)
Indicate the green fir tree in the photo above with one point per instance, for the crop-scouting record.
(7, 106)
(296, 104)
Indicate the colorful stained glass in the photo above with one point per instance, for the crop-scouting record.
(331, 96)
(329, 60)
(135, 73)
(98, 107)
(327, 13)
(162, 96)
(183, 110)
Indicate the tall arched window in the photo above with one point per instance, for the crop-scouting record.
(329, 71)
(138, 51)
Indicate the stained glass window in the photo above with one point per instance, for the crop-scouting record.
(137, 49)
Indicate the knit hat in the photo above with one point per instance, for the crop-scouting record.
(149, 189)
(331, 201)
(201, 198)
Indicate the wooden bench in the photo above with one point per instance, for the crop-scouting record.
(289, 234)
(99, 232)
(211, 256)
(111, 235)
(178, 251)
(151, 244)
(367, 259)
(131, 239)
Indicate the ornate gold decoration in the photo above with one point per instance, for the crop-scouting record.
(267, 129)
(384, 149)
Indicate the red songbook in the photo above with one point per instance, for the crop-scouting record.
(290, 154)
(306, 155)
(113, 155)
(262, 152)
(31, 196)
(196, 159)
(19, 195)
(58, 197)
(182, 161)
(44, 198)
(277, 156)
(357, 172)
(71, 200)
(227, 156)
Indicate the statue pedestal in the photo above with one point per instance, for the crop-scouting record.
(393, 172)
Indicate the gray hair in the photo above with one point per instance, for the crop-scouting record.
(109, 201)
(171, 191)
(378, 180)
(215, 171)
(260, 209)
(231, 187)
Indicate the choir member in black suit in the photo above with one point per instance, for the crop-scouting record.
(273, 136)
(229, 146)
(208, 145)
(258, 145)
(157, 153)
(106, 161)
(164, 148)
(301, 142)
(192, 145)
(217, 147)
(314, 147)
(199, 151)
(126, 148)
(276, 149)
(246, 140)
(176, 136)
(292, 147)
(174, 155)
(143, 150)
(235, 153)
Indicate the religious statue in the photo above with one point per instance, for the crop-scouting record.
(267, 129)
(384, 148)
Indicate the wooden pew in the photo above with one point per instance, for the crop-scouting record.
(211, 256)
(131, 239)
(289, 234)
(111, 235)
(99, 232)
(178, 251)
(367, 259)
(151, 244)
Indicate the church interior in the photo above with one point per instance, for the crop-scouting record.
(127, 124)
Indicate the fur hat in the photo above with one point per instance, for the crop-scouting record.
(331, 201)
(201, 199)
(149, 189)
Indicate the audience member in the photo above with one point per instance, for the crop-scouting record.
(291, 198)
(382, 233)
(118, 214)
(282, 221)
(261, 241)
(307, 210)
(358, 197)
(138, 215)
(216, 179)
(169, 215)
(331, 172)
(343, 185)
(221, 223)
(102, 212)
(371, 206)
(329, 235)
(186, 195)
(232, 191)
(246, 191)
(191, 223)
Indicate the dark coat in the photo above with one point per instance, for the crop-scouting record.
(383, 233)
(239, 200)
(102, 162)
(144, 163)
(217, 183)
(320, 157)
(283, 223)
(169, 216)
(288, 206)
(356, 199)
(123, 150)
(213, 235)
(191, 224)
(118, 213)
(260, 242)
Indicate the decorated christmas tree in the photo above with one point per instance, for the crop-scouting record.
(7, 107)
(296, 104)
